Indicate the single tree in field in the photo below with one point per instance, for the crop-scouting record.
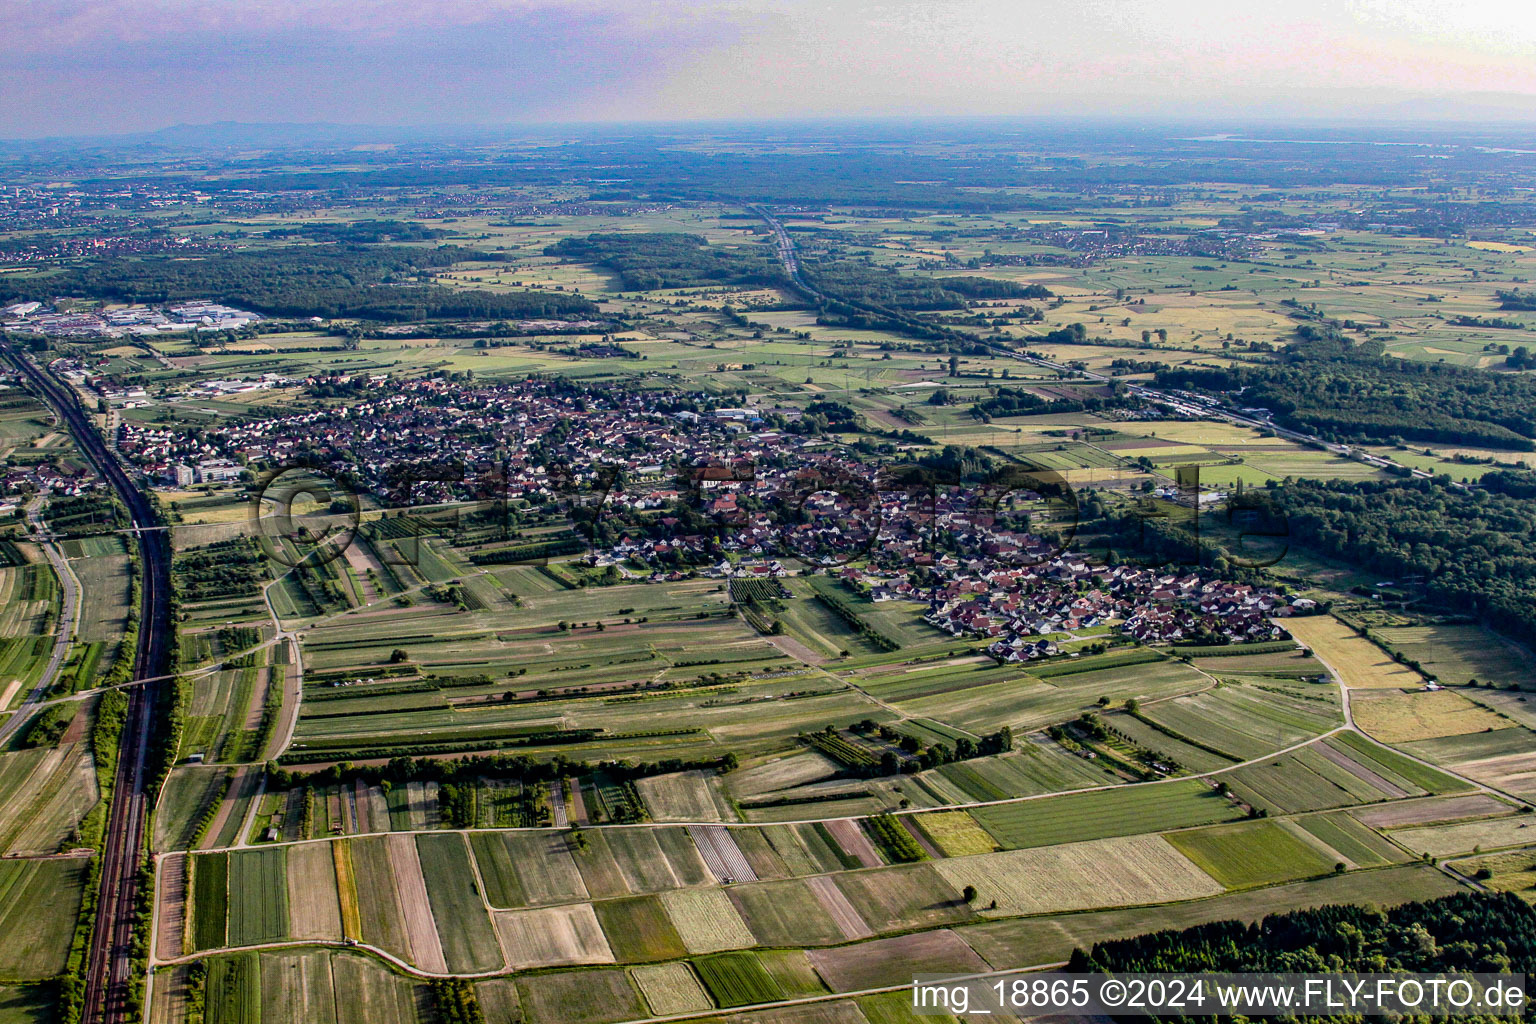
(396, 656)
(969, 894)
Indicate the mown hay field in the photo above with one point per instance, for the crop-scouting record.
(670, 988)
(956, 833)
(1468, 836)
(553, 936)
(1424, 715)
(706, 920)
(1360, 663)
(1080, 876)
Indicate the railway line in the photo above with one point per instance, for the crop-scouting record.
(109, 969)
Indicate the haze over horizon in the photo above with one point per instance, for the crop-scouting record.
(73, 67)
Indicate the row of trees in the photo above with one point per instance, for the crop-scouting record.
(519, 767)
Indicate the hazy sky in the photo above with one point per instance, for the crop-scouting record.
(81, 66)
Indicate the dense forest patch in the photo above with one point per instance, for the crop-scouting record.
(1354, 394)
(1474, 551)
(371, 282)
(1492, 933)
(653, 260)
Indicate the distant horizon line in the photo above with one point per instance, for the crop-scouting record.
(1378, 120)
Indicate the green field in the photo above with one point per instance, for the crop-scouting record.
(639, 930)
(1251, 853)
(469, 942)
(258, 896)
(210, 900)
(584, 997)
(784, 913)
(737, 979)
(39, 900)
(1114, 812)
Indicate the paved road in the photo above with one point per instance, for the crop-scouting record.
(109, 967)
(69, 615)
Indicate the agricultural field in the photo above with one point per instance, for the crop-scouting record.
(597, 996)
(1430, 811)
(889, 962)
(553, 937)
(39, 900)
(1358, 845)
(737, 979)
(457, 908)
(786, 913)
(577, 732)
(1082, 876)
(327, 986)
(956, 833)
(902, 898)
(1251, 853)
(706, 920)
(638, 929)
(1105, 814)
(1506, 872)
(1468, 836)
(671, 988)
(527, 869)
(1312, 778)
(1403, 718)
(46, 792)
(687, 796)
(1359, 663)
(1247, 720)
(1460, 654)
(227, 717)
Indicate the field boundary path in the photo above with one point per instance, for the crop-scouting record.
(1349, 724)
